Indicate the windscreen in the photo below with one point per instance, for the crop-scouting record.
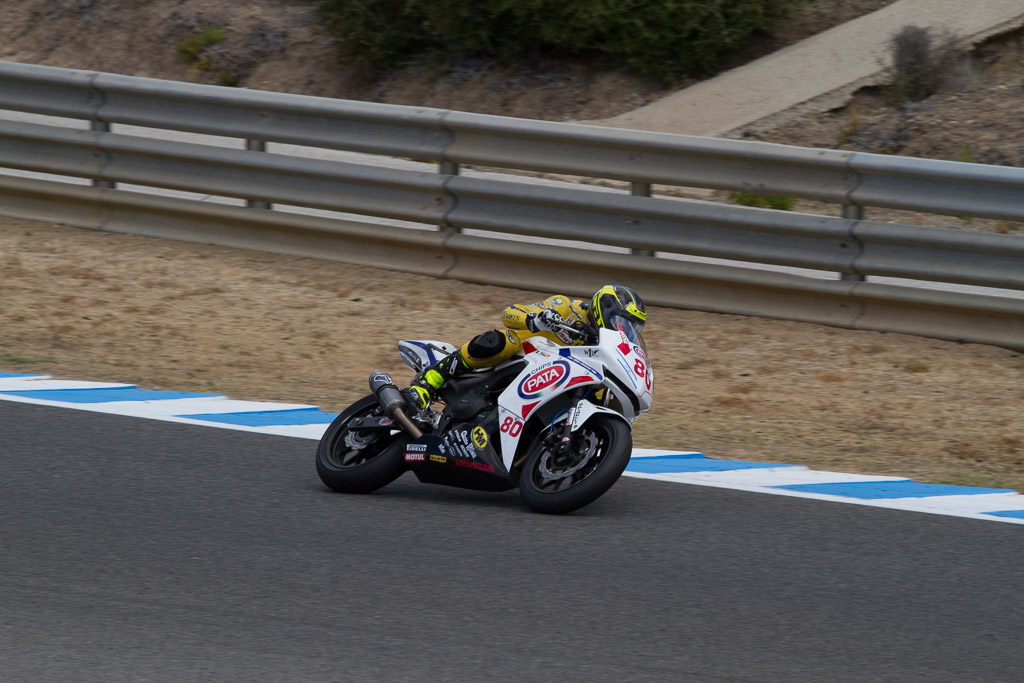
(630, 328)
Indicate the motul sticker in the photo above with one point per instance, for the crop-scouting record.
(414, 457)
(546, 377)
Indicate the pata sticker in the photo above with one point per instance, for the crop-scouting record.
(547, 377)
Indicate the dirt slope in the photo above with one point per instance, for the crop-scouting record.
(276, 45)
(974, 117)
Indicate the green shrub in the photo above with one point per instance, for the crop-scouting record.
(190, 51)
(771, 201)
(921, 62)
(667, 40)
(227, 77)
(965, 155)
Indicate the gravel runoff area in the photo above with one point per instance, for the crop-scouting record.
(89, 305)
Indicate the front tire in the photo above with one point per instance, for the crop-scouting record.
(354, 461)
(556, 484)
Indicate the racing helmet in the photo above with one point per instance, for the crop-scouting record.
(616, 307)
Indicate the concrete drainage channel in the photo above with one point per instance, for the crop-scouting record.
(685, 467)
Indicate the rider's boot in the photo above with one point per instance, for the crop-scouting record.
(424, 385)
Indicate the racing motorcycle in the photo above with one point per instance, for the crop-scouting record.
(554, 422)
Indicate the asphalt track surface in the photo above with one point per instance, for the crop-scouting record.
(144, 550)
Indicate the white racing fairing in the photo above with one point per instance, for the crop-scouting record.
(615, 363)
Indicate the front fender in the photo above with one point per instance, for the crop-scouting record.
(584, 410)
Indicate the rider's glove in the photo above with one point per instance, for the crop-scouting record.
(547, 319)
(417, 397)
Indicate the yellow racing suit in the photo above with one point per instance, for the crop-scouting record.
(494, 346)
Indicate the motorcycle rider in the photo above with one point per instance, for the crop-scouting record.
(613, 307)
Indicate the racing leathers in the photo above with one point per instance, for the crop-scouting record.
(494, 346)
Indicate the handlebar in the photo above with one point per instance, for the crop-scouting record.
(584, 331)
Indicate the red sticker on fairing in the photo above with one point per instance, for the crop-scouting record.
(579, 380)
(528, 408)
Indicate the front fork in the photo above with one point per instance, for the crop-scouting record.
(565, 440)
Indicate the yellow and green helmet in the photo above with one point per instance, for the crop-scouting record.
(616, 307)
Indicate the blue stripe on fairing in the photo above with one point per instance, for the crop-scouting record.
(129, 393)
(629, 373)
(667, 464)
(20, 374)
(1017, 514)
(267, 418)
(903, 488)
(425, 347)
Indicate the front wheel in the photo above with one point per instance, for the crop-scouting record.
(359, 461)
(556, 483)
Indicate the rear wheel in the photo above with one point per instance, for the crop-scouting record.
(359, 461)
(556, 482)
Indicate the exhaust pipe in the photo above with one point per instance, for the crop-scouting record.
(391, 400)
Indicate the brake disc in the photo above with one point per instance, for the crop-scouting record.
(584, 456)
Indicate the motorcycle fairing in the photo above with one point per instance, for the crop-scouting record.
(463, 457)
(550, 370)
(632, 369)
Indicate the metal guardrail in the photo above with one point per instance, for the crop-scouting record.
(854, 248)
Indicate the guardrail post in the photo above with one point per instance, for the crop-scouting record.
(853, 212)
(256, 146)
(448, 168)
(641, 190)
(102, 127)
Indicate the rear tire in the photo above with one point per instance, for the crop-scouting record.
(556, 485)
(353, 461)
